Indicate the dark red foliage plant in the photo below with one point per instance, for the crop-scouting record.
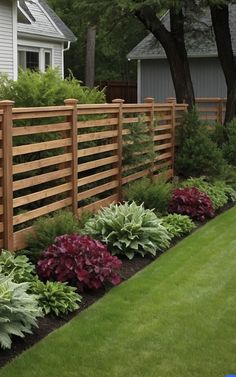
(191, 202)
(80, 261)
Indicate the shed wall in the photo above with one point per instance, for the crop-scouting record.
(6, 38)
(207, 76)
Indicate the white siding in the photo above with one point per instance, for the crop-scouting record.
(57, 57)
(6, 38)
(56, 48)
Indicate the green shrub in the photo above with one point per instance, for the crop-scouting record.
(154, 195)
(218, 192)
(197, 153)
(128, 229)
(47, 228)
(45, 89)
(229, 147)
(18, 310)
(17, 266)
(55, 297)
(178, 225)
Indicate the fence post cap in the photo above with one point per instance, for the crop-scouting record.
(149, 100)
(6, 103)
(118, 100)
(71, 101)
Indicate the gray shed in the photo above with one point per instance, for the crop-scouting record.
(154, 77)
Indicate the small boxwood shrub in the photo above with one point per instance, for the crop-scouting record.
(18, 311)
(129, 229)
(197, 153)
(55, 298)
(154, 195)
(80, 261)
(191, 202)
(178, 225)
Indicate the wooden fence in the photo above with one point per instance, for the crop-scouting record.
(119, 89)
(210, 110)
(72, 156)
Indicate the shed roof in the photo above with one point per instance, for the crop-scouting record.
(43, 22)
(200, 40)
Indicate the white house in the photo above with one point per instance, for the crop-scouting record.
(31, 36)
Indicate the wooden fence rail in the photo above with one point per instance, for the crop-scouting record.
(72, 156)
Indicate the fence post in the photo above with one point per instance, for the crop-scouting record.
(120, 146)
(150, 100)
(74, 151)
(220, 111)
(7, 175)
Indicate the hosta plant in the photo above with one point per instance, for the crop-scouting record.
(218, 191)
(18, 266)
(18, 310)
(80, 261)
(55, 298)
(191, 202)
(129, 229)
(178, 225)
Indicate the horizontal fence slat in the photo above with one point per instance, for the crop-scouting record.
(102, 162)
(93, 207)
(42, 163)
(97, 177)
(31, 215)
(135, 176)
(97, 136)
(97, 123)
(42, 178)
(39, 147)
(33, 130)
(97, 190)
(96, 150)
(44, 194)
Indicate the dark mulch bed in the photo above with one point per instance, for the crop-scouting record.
(49, 324)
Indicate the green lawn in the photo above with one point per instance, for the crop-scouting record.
(176, 318)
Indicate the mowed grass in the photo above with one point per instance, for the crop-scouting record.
(176, 318)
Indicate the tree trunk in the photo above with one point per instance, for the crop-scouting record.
(220, 22)
(90, 57)
(174, 46)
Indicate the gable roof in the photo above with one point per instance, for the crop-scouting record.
(200, 40)
(44, 22)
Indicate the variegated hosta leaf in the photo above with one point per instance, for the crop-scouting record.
(129, 229)
(18, 310)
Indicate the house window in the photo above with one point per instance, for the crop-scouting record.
(47, 59)
(34, 59)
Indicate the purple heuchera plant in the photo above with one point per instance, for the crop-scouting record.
(191, 202)
(80, 261)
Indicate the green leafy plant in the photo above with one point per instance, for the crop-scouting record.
(197, 153)
(229, 147)
(47, 228)
(55, 297)
(129, 229)
(218, 191)
(17, 266)
(154, 195)
(46, 89)
(18, 310)
(178, 225)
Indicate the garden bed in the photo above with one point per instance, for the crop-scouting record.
(48, 324)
